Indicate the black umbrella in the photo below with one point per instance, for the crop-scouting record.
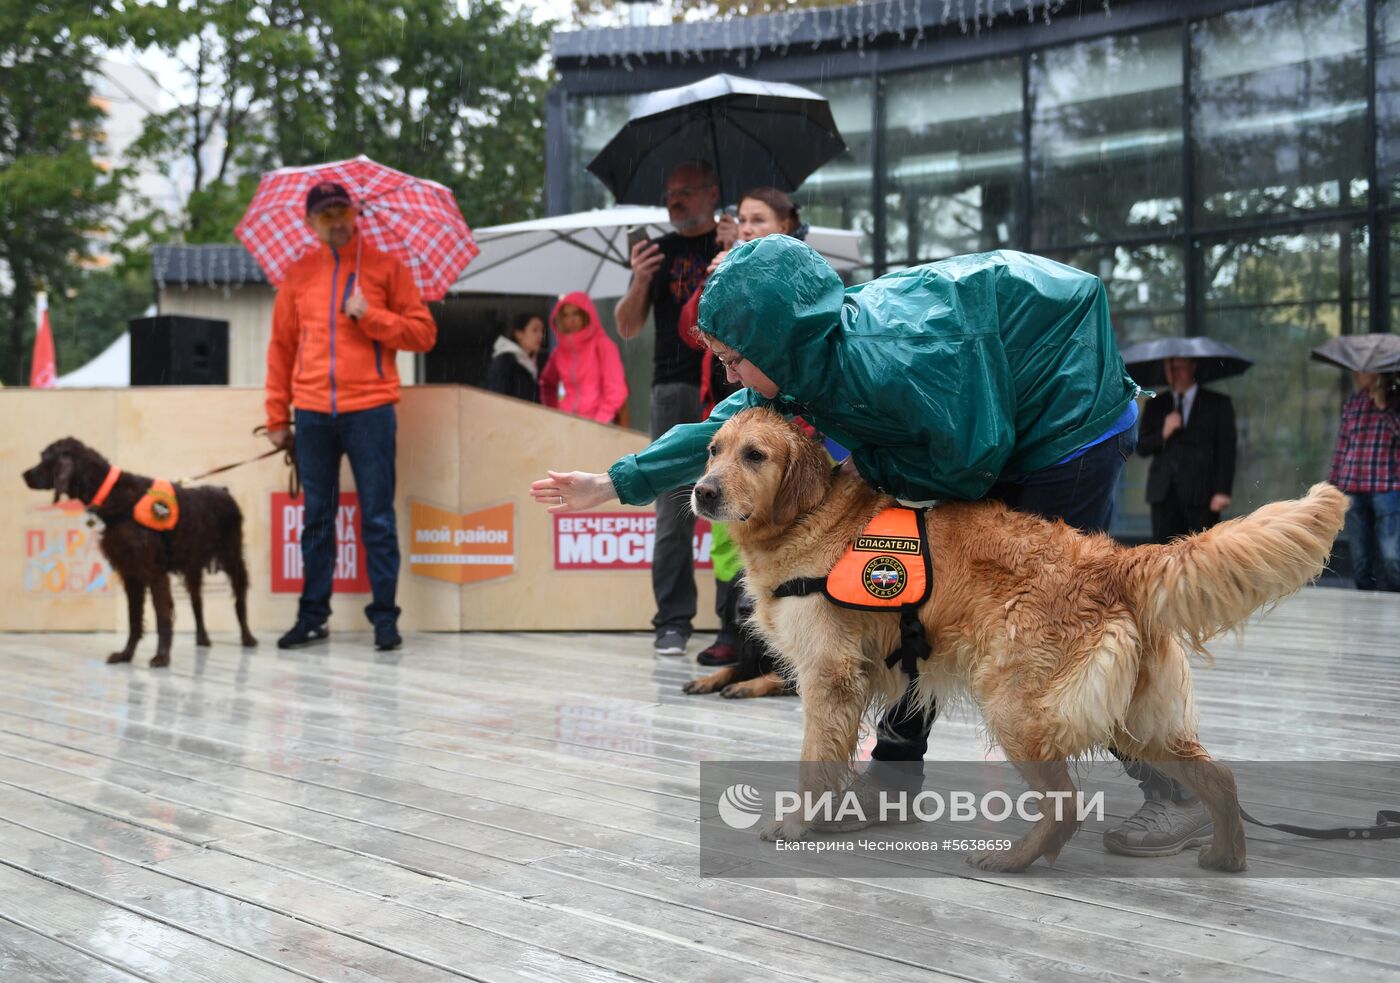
(752, 133)
(1361, 352)
(1214, 359)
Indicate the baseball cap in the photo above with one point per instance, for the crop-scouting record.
(324, 195)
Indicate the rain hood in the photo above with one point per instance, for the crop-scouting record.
(586, 363)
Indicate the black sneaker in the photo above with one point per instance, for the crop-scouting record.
(670, 641)
(387, 638)
(303, 634)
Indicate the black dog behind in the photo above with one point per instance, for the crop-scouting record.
(208, 537)
(756, 672)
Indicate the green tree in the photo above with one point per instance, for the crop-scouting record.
(222, 47)
(53, 193)
(464, 105)
(448, 94)
(93, 312)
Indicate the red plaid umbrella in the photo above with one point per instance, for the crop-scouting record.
(416, 220)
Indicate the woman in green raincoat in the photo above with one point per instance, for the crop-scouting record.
(990, 375)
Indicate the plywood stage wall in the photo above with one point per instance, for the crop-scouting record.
(478, 553)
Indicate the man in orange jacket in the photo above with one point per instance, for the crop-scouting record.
(342, 314)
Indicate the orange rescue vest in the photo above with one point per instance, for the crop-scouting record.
(887, 568)
(158, 509)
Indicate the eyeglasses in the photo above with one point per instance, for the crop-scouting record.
(689, 191)
(732, 363)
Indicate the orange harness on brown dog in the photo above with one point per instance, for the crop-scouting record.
(887, 568)
(158, 509)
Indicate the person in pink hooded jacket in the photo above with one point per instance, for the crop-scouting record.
(584, 373)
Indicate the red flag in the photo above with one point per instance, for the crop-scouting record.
(43, 369)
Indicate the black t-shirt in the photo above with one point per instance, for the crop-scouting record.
(683, 265)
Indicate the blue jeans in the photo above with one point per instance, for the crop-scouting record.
(369, 439)
(1078, 491)
(1373, 533)
(1081, 493)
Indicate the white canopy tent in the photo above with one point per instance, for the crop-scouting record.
(588, 251)
(109, 370)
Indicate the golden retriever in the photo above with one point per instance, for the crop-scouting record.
(1067, 643)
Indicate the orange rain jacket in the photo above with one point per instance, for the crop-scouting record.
(321, 359)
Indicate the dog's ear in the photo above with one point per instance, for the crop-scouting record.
(63, 477)
(805, 481)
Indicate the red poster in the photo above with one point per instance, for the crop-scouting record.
(351, 572)
(616, 541)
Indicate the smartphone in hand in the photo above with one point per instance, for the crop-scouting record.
(635, 234)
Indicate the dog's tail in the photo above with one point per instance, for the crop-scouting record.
(1204, 584)
(229, 529)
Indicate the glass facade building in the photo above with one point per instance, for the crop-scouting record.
(1228, 168)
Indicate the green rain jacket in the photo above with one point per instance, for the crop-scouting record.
(941, 379)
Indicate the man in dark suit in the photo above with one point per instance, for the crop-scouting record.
(1189, 433)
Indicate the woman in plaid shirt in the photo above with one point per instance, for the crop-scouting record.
(1366, 466)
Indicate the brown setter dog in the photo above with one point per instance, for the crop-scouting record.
(208, 537)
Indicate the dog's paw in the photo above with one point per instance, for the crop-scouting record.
(116, 657)
(202, 641)
(696, 687)
(249, 642)
(999, 861)
(1227, 861)
(161, 660)
(735, 691)
(790, 828)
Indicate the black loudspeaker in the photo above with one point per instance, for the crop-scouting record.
(174, 350)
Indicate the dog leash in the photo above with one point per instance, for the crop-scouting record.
(1387, 828)
(289, 457)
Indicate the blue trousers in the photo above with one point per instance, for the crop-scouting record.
(369, 438)
(1373, 533)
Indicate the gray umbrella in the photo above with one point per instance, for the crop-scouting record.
(1361, 352)
(753, 133)
(1214, 359)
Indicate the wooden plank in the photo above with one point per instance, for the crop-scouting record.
(735, 937)
(140, 945)
(455, 780)
(113, 872)
(816, 950)
(448, 832)
(434, 921)
(1031, 917)
(36, 958)
(527, 796)
(941, 944)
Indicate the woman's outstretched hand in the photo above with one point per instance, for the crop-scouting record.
(572, 491)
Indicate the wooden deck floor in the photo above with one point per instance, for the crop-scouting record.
(523, 807)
